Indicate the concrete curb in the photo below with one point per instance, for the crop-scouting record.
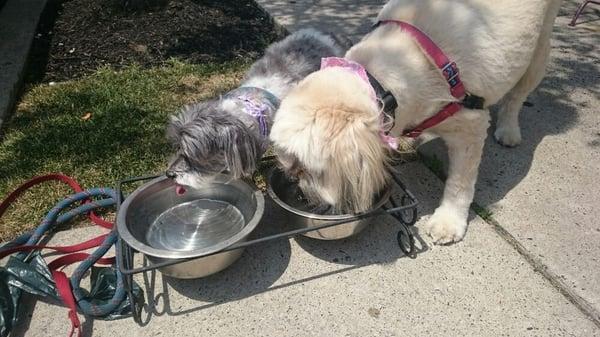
(280, 29)
(18, 22)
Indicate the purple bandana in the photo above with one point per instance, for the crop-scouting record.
(258, 103)
(257, 110)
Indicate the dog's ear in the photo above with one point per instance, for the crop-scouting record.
(192, 132)
(241, 148)
(363, 158)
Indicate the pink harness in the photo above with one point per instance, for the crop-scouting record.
(448, 69)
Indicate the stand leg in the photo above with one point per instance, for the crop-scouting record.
(405, 238)
(128, 280)
(580, 9)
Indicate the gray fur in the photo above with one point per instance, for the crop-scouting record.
(210, 141)
(294, 58)
(217, 135)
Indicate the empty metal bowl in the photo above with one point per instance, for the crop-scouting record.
(163, 225)
(288, 196)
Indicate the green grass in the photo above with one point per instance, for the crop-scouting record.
(435, 165)
(483, 212)
(124, 135)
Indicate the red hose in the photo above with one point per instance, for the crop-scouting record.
(48, 177)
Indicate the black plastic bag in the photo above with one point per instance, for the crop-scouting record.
(35, 278)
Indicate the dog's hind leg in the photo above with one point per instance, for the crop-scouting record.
(508, 132)
(464, 134)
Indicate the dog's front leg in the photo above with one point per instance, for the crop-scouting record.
(464, 135)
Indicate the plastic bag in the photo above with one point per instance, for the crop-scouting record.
(34, 277)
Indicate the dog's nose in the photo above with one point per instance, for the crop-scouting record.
(171, 174)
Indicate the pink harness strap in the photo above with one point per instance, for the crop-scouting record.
(447, 68)
(436, 56)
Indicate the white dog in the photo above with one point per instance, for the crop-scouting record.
(327, 131)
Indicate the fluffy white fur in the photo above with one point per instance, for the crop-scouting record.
(326, 130)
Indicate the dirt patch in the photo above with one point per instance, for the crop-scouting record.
(79, 36)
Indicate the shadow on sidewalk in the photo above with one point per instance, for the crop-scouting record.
(376, 244)
(262, 265)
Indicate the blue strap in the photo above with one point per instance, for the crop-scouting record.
(53, 218)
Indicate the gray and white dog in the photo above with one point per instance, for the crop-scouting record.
(230, 133)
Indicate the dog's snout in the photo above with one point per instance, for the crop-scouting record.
(171, 174)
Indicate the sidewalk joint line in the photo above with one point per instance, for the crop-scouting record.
(436, 167)
(538, 266)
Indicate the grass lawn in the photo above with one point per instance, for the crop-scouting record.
(97, 129)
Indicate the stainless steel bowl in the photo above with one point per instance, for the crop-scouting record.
(164, 226)
(287, 195)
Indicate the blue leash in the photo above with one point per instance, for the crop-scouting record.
(54, 218)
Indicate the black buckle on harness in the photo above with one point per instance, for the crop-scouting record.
(473, 102)
(387, 98)
(389, 102)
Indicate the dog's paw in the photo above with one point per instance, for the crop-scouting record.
(446, 226)
(508, 136)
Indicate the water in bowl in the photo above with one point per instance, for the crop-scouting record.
(194, 225)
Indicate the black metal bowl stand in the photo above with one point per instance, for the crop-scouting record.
(403, 209)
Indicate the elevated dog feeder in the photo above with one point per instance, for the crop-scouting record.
(153, 201)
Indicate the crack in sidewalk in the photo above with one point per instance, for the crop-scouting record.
(538, 266)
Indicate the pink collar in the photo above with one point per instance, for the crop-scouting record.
(355, 67)
(447, 68)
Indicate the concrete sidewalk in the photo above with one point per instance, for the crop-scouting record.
(518, 274)
(357, 287)
(351, 18)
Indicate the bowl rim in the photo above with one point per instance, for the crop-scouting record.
(141, 247)
(385, 196)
